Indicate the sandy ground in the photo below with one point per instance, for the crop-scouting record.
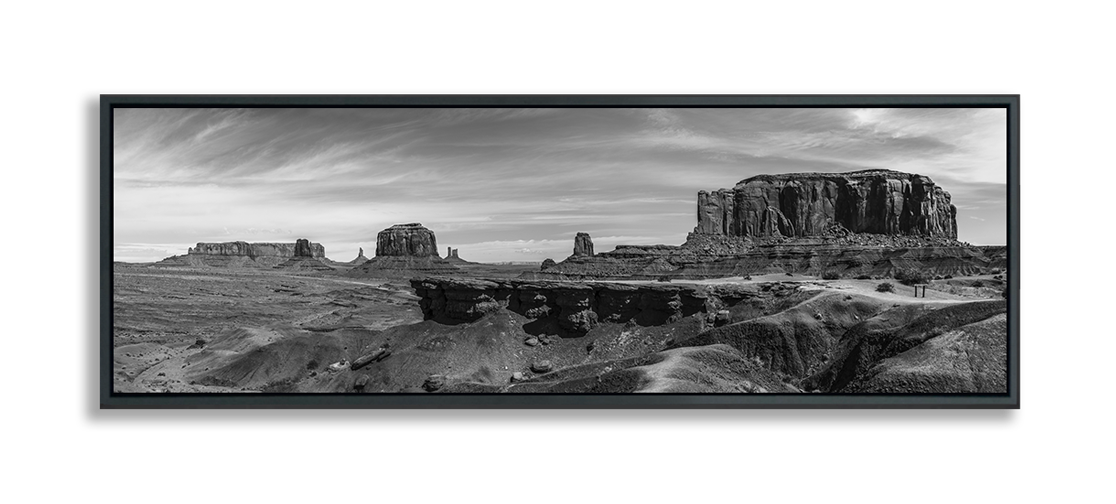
(165, 317)
(161, 314)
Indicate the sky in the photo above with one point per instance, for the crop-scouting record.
(511, 184)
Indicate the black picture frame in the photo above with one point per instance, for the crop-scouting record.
(110, 399)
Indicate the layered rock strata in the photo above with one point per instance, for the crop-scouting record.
(848, 261)
(304, 259)
(405, 251)
(241, 254)
(583, 245)
(816, 204)
(254, 250)
(572, 308)
(406, 240)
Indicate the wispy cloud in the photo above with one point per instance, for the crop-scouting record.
(507, 181)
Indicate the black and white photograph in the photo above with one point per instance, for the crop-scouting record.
(552, 250)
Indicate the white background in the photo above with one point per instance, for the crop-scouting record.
(57, 446)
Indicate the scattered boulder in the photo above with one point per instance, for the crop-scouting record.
(723, 317)
(339, 365)
(543, 366)
(532, 341)
(517, 377)
(377, 355)
(361, 382)
(434, 383)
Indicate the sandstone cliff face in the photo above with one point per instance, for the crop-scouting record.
(303, 249)
(583, 245)
(410, 240)
(254, 250)
(573, 308)
(814, 204)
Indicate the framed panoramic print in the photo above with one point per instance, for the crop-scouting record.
(546, 251)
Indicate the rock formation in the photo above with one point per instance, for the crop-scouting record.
(304, 258)
(818, 204)
(569, 307)
(360, 258)
(404, 251)
(303, 249)
(253, 250)
(583, 245)
(873, 222)
(406, 240)
(241, 254)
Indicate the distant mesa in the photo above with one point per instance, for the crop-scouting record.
(452, 257)
(583, 245)
(303, 248)
(882, 202)
(403, 251)
(304, 259)
(244, 254)
(406, 240)
(240, 248)
(870, 222)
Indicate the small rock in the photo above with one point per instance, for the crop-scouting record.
(378, 355)
(723, 317)
(532, 341)
(361, 382)
(433, 383)
(517, 377)
(543, 366)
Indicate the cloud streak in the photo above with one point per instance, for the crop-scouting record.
(507, 180)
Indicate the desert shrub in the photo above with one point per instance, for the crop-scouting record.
(885, 287)
(978, 284)
(864, 277)
(790, 274)
(830, 275)
(664, 279)
(911, 277)
(995, 271)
